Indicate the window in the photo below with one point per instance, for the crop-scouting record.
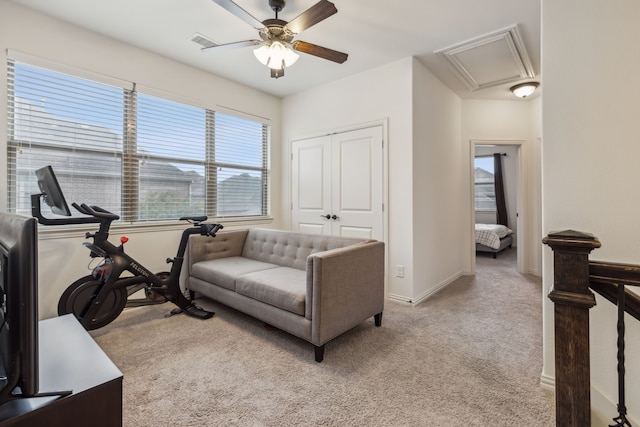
(140, 156)
(169, 150)
(484, 184)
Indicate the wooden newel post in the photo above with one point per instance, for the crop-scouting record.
(572, 300)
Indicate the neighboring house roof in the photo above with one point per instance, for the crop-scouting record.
(77, 136)
(483, 176)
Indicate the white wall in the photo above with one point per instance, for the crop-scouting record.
(437, 250)
(403, 93)
(533, 204)
(591, 149)
(383, 93)
(62, 258)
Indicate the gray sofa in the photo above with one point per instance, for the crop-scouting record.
(314, 287)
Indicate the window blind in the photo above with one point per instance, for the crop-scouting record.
(72, 124)
(239, 170)
(140, 156)
(169, 159)
(485, 195)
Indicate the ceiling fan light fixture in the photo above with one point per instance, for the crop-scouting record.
(262, 54)
(523, 90)
(276, 55)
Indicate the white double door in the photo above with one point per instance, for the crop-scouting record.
(337, 184)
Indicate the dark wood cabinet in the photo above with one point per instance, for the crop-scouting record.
(69, 360)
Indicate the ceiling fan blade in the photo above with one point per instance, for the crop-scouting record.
(229, 46)
(239, 12)
(316, 13)
(319, 51)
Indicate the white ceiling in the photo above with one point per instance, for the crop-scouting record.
(372, 32)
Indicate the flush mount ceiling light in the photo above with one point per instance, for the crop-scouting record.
(523, 90)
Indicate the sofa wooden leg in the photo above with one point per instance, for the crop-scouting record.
(378, 319)
(319, 350)
(192, 295)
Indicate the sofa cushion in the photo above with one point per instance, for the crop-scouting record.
(225, 244)
(224, 271)
(289, 249)
(282, 287)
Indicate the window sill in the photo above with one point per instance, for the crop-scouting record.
(68, 231)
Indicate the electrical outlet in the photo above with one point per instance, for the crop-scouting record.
(399, 270)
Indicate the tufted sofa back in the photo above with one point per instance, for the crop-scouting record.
(289, 249)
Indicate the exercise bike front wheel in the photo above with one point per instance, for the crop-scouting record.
(78, 297)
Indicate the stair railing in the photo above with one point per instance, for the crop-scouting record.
(574, 278)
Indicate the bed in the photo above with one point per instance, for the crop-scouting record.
(493, 238)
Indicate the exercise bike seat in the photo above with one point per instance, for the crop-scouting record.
(200, 218)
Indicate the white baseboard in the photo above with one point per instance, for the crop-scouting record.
(399, 298)
(535, 272)
(425, 295)
(603, 409)
(548, 382)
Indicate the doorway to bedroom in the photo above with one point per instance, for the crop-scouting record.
(497, 206)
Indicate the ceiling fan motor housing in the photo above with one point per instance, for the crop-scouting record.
(274, 30)
(276, 5)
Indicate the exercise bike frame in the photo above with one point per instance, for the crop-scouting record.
(110, 273)
(117, 262)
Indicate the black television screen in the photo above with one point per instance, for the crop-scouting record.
(19, 310)
(51, 191)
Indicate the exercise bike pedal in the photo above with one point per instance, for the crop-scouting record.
(198, 312)
(194, 311)
(156, 294)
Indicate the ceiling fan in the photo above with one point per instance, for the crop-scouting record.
(277, 45)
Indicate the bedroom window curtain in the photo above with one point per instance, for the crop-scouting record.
(501, 204)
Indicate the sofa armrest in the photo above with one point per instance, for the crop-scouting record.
(225, 244)
(344, 287)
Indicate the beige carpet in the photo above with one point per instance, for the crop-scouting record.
(468, 356)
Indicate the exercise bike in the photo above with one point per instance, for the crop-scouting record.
(99, 298)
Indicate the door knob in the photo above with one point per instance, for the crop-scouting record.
(327, 216)
(334, 216)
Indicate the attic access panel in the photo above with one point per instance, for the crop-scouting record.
(490, 60)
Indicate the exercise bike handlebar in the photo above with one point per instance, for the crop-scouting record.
(210, 229)
(95, 211)
(98, 212)
(106, 217)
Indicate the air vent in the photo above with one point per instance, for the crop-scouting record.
(202, 40)
(490, 60)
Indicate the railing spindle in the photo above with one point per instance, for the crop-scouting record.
(621, 419)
